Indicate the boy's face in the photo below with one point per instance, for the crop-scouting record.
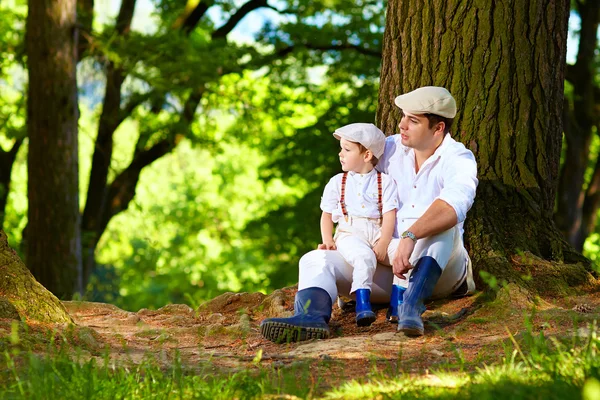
(352, 159)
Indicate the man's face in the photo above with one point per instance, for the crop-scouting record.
(416, 133)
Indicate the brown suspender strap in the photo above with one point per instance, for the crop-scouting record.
(342, 196)
(380, 195)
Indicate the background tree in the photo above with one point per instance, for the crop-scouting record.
(578, 197)
(53, 249)
(194, 58)
(505, 66)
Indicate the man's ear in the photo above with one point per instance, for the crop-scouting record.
(368, 155)
(440, 127)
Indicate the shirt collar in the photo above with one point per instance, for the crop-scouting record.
(356, 175)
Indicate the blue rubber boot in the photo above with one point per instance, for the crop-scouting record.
(312, 311)
(420, 286)
(396, 300)
(364, 314)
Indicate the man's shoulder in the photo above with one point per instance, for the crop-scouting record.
(394, 147)
(457, 149)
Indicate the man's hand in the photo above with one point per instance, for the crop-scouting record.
(380, 250)
(401, 264)
(328, 245)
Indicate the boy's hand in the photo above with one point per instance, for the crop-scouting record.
(328, 245)
(380, 250)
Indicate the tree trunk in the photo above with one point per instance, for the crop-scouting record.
(7, 160)
(504, 63)
(21, 296)
(53, 234)
(581, 117)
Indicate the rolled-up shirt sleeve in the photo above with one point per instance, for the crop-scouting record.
(459, 182)
(330, 198)
(389, 195)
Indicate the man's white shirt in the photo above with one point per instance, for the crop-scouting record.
(361, 195)
(450, 174)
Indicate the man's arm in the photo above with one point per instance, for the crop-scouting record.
(439, 217)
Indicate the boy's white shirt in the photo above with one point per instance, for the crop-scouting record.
(361, 195)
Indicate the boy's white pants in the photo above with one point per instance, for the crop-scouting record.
(355, 240)
(327, 269)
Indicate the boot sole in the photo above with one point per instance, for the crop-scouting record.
(411, 331)
(366, 321)
(280, 332)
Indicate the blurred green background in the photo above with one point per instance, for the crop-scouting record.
(236, 202)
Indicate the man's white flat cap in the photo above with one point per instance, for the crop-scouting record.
(368, 135)
(428, 100)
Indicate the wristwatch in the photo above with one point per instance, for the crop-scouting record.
(408, 234)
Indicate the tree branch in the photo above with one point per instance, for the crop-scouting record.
(284, 52)
(110, 119)
(190, 17)
(85, 16)
(237, 17)
(135, 100)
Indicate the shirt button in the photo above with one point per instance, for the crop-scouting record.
(363, 206)
(415, 186)
(359, 194)
(413, 206)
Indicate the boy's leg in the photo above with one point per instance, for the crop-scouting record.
(358, 253)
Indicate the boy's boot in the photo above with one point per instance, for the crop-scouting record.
(423, 279)
(312, 311)
(396, 300)
(364, 315)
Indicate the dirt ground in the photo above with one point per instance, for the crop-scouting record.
(223, 335)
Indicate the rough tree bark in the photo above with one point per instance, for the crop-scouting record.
(21, 296)
(53, 250)
(504, 63)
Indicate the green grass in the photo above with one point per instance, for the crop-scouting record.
(532, 367)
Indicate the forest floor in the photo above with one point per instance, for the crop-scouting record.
(223, 335)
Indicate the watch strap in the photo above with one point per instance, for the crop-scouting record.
(408, 234)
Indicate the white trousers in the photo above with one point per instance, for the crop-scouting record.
(327, 269)
(354, 240)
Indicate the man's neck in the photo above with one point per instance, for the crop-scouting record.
(422, 155)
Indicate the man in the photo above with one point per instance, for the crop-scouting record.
(436, 179)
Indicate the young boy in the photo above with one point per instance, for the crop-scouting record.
(363, 202)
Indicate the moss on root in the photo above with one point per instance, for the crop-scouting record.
(21, 296)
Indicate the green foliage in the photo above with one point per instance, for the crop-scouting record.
(236, 204)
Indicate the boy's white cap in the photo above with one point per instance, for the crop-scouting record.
(368, 135)
(428, 100)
